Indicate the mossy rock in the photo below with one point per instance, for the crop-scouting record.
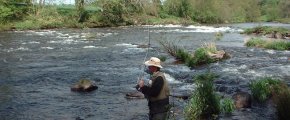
(84, 85)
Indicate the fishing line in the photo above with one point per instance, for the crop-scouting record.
(147, 52)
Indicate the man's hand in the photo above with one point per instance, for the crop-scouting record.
(141, 83)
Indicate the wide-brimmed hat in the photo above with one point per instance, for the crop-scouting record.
(153, 61)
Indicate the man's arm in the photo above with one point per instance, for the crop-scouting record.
(155, 88)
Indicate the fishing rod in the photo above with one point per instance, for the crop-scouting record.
(147, 52)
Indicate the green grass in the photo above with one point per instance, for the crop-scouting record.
(261, 89)
(282, 101)
(204, 103)
(263, 30)
(227, 105)
(268, 44)
(199, 57)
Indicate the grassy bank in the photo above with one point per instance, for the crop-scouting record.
(24, 14)
(268, 44)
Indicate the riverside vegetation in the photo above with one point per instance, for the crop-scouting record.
(204, 102)
(276, 40)
(29, 14)
(269, 88)
(207, 53)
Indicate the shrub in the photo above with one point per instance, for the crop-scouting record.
(278, 45)
(269, 44)
(282, 101)
(182, 55)
(261, 89)
(227, 105)
(201, 57)
(204, 103)
(162, 58)
(255, 42)
(263, 30)
(28, 24)
(170, 47)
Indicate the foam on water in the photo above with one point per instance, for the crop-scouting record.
(166, 26)
(270, 51)
(48, 48)
(17, 49)
(134, 50)
(170, 79)
(188, 87)
(93, 47)
(200, 29)
(68, 41)
(127, 45)
(43, 32)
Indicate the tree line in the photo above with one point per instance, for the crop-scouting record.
(128, 12)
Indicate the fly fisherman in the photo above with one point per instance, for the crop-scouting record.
(156, 92)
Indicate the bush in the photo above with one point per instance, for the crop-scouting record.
(269, 44)
(263, 30)
(282, 101)
(201, 57)
(227, 105)
(162, 58)
(255, 42)
(170, 47)
(204, 103)
(262, 89)
(278, 45)
(28, 24)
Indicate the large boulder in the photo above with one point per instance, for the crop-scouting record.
(242, 100)
(84, 86)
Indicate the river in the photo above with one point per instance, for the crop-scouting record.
(38, 67)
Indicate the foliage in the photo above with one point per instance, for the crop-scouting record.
(11, 10)
(170, 47)
(162, 58)
(263, 30)
(201, 57)
(261, 89)
(255, 42)
(282, 101)
(131, 12)
(268, 44)
(112, 13)
(219, 35)
(204, 103)
(278, 45)
(227, 105)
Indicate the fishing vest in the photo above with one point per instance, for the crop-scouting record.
(164, 93)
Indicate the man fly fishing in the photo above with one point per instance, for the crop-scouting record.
(157, 91)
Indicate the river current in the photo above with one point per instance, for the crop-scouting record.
(38, 67)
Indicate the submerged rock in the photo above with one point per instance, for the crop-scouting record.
(84, 86)
(135, 95)
(242, 100)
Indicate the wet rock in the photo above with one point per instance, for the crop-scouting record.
(218, 55)
(242, 100)
(135, 95)
(220, 82)
(222, 89)
(279, 36)
(181, 96)
(79, 118)
(84, 86)
(142, 46)
(271, 35)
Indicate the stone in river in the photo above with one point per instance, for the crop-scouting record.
(84, 86)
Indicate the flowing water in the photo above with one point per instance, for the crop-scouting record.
(38, 67)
